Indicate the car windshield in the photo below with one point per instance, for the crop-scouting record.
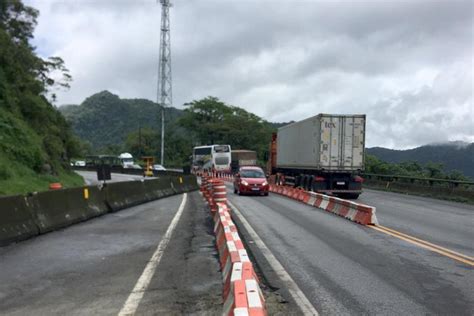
(251, 174)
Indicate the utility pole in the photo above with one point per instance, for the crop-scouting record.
(164, 91)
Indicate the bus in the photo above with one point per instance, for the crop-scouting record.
(212, 158)
(98, 160)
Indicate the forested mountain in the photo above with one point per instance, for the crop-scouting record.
(112, 125)
(35, 140)
(104, 119)
(453, 156)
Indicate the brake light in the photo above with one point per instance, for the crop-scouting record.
(358, 179)
(319, 179)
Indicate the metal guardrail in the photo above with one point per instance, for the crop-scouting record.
(411, 179)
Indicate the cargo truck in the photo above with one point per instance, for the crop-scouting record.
(241, 157)
(324, 153)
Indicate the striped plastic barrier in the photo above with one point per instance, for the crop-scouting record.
(356, 212)
(241, 291)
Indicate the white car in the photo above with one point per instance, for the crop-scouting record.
(159, 168)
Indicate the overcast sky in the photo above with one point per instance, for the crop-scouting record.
(408, 64)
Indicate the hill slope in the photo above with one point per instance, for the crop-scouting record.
(104, 119)
(453, 156)
(35, 140)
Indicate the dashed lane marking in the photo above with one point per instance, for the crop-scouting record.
(133, 301)
(301, 300)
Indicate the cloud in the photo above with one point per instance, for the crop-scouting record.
(406, 64)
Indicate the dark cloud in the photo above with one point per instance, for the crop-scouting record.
(407, 64)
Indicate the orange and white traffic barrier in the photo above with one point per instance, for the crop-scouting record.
(245, 298)
(356, 212)
(236, 267)
(219, 192)
(241, 291)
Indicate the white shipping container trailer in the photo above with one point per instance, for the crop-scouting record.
(324, 153)
(323, 142)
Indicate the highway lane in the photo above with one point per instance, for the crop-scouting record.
(347, 268)
(448, 224)
(90, 177)
(92, 267)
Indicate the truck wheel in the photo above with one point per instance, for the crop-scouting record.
(297, 181)
(310, 183)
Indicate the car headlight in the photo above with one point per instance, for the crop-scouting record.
(245, 182)
(265, 183)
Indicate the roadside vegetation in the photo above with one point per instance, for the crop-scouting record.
(411, 169)
(35, 139)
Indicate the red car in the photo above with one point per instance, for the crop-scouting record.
(250, 180)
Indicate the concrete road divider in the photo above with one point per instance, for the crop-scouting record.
(26, 216)
(16, 220)
(61, 208)
(120, 195)
(356, 212)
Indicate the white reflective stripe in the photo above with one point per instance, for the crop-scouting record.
(236, 272)
(311, 200)
(324, 204)
(243, 255)
(241, 311)
(231, 246)
(227, 229)
(253, 296)
(352, 213)
(235, 236)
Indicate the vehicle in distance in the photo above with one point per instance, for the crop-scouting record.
(126, 160)
(250, 180)
(211, 158)
(80, 163)
(241, 157)
(324, 153)
(159, 168)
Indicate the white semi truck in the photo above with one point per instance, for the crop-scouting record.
(324, 153)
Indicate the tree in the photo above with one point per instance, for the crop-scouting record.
(25, 80)
(434, 170)
(212, 122)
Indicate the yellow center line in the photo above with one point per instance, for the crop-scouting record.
(423, 245)
(427, 243)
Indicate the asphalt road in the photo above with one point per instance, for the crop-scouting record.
(448, 224)
(90, 177)
(348, 269)
(92, 267)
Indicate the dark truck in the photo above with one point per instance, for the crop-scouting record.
(324, 153)
(241, 157)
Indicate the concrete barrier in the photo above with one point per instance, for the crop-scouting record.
(16, 220)
(60, 208)
(22, 217)
(120, 195)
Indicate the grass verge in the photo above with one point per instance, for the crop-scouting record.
(15, 178)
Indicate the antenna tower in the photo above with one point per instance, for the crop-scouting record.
(164, 91)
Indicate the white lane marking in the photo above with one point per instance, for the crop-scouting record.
(131, 305)
(301, 300)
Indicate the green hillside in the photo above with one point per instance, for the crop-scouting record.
(453, 156)
(104, 119)
(112, 125)
(35, 139)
